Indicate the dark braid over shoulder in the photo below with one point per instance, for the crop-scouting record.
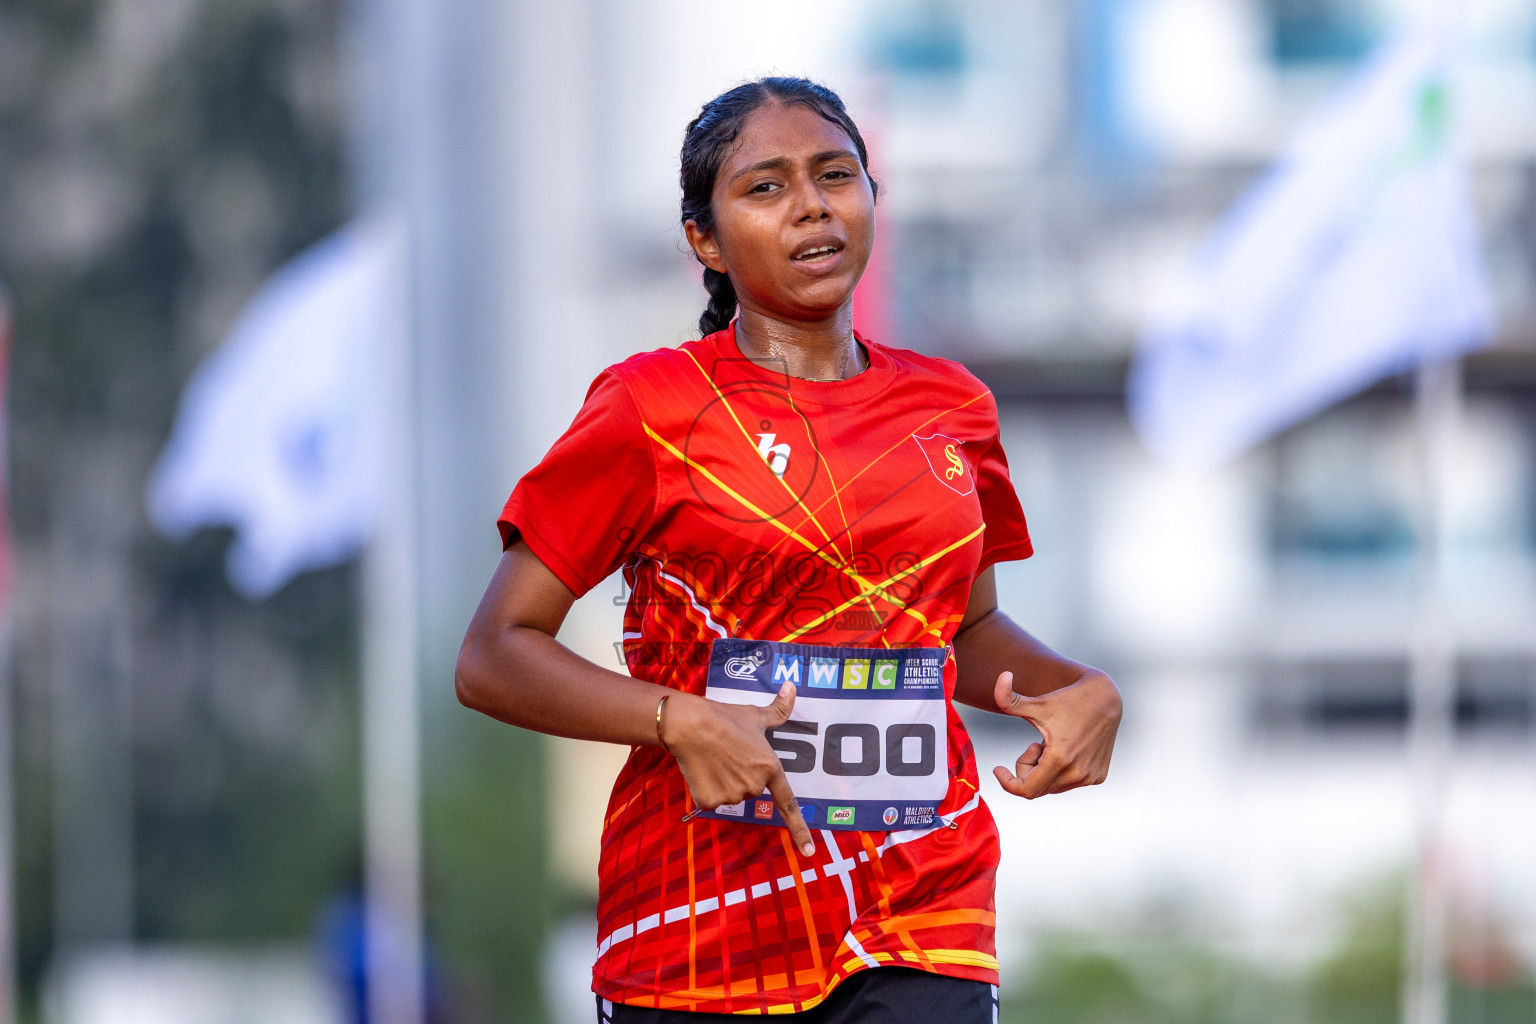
(708, 139)
(721, 309)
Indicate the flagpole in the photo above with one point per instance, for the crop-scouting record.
(8, 824)
(7, 695)
(389, 40)
(8, 844)
(391, 718)
(1432, 698)
(391, 791)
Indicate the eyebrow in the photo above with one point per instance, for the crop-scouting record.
(782, 162)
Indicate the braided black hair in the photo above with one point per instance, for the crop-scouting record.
(708, 140)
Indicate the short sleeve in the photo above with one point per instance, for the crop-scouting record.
(1007, 535)
(584, 506)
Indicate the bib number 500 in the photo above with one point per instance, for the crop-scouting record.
(800, 755)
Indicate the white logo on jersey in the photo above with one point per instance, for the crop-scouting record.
(776, 455)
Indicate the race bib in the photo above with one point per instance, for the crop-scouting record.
(865, 746)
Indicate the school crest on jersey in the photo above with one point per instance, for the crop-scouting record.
(943, 455)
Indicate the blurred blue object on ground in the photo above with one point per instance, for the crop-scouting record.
(342, 935)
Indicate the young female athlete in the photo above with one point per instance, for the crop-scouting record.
(807, 521)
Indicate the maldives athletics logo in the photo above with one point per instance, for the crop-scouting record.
(943, 455)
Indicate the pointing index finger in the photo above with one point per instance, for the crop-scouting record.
(789, 808)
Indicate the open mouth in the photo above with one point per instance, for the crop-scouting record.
(817, 254)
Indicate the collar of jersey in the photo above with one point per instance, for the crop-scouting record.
(858, 388)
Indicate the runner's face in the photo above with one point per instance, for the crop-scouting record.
(794, 215)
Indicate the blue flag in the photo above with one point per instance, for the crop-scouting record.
(1356, 256)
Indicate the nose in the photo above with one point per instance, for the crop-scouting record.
(810, 205)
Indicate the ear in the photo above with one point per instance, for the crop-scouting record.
(705, 246)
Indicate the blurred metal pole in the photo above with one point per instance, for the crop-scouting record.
(391, 731)
(1432, 699)
(388, 48)
(455, 95)
(91, 694)
(7, 689)
(7, 811)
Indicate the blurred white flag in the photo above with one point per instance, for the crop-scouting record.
(1356, 256)
(280, 433)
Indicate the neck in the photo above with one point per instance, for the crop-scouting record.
(811, 350)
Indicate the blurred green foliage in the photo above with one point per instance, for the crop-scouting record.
(1172, 975)
(488, 902)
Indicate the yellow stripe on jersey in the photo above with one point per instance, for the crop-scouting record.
(876, 460)
(851, 966)
(799, 502)
(863, 595)
(747, 504)
(896, 578)
(935, 919)
(964, 957)
(809, 917)
(693, 916)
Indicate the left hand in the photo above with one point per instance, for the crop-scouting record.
(1078, 724)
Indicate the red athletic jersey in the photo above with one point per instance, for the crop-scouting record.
(742, 502)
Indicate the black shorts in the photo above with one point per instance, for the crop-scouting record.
(880, 995)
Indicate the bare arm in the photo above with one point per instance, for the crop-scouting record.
(1001, 668)
(511, 667)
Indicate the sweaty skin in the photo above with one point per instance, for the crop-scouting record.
(794, 225)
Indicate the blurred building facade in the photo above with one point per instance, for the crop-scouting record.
(188, 763)
(1047, 167)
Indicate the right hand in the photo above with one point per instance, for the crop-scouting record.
(725, 757)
